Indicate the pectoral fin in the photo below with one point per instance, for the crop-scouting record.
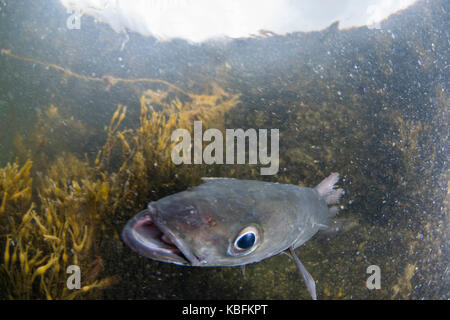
(309, 281)
(243, 270)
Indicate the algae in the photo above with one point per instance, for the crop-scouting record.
(57, 215)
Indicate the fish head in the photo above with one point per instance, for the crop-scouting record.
(193, 234)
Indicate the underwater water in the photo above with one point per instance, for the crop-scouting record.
(86, 118)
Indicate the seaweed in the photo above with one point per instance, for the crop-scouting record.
(39, 245)
(57, 215)
(55, 128)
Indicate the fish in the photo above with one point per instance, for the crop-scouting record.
(232, 222)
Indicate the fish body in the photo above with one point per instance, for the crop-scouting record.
(231, 222)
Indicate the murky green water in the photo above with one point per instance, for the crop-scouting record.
(371, 104)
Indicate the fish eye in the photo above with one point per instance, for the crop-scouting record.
(245, 242)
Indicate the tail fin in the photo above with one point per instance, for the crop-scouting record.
(331, 195)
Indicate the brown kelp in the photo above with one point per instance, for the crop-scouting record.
(54, 129)
(108, 80)
(145, 163)
(15, 188)
(56, 216)
(40, 243)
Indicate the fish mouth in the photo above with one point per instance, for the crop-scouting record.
(150, 238)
